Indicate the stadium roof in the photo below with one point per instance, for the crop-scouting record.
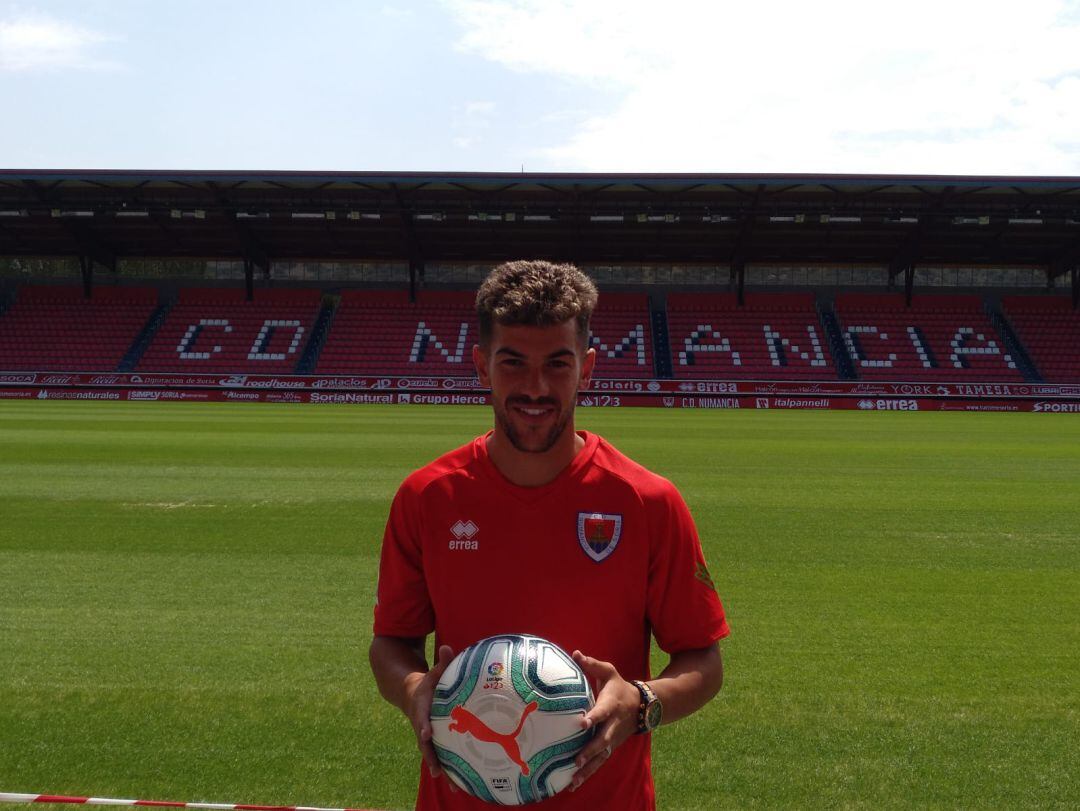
(897, 220)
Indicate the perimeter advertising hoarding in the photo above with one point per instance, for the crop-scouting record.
(783, 402)
(613, 387)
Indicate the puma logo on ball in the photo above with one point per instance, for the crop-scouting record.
(464, 721)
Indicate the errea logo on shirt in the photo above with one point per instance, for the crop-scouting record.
(464, 533)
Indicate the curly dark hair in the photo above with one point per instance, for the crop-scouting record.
(535, 293)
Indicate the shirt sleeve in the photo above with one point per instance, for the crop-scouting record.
(402, 603)
(683, 607)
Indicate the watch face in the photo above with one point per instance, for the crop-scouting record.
(652, 715)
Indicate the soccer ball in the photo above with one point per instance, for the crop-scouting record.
(506, 719)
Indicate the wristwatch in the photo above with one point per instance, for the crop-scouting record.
(650, 710)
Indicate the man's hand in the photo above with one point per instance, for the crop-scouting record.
(419, 692)
(615, 716)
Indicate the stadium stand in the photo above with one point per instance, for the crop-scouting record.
(1049, 329)
(621, 335)
(217, 330)
(773, 335)
(939, 338)
(54, 328)
(380, 332)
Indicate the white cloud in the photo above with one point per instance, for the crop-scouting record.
(37, 42)
(470, 123)
(963, 86)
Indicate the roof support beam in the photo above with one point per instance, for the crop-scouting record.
(416, 269)
(86, 266)
(250, 263)
(905, 265)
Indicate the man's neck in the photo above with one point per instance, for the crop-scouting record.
(533, 469)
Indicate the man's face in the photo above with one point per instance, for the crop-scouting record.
(534, 374)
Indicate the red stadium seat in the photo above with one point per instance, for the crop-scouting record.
(1049, 329)
(940, 338)
(54, 328)
(217, 330)
(772, 336)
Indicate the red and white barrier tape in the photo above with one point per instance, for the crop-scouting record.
(8, 797)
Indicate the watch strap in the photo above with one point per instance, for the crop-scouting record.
(646, 719)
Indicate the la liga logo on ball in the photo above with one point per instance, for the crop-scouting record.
(515, 745)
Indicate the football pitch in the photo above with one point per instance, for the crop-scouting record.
(186, 596)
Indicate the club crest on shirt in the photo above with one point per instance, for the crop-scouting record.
(598, 534)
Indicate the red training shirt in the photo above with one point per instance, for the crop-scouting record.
(596, 560)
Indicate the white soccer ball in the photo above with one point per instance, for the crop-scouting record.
(506, 719)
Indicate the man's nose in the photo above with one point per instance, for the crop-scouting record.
(536, 384)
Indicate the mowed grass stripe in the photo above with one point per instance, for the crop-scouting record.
(187, 590)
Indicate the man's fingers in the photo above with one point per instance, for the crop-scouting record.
(588, 769)
(601, 671)
(444, 657)
(603, 741)
(431, 760)
(422, 711)
(600, 712)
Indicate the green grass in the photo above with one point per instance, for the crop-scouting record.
(186, 593)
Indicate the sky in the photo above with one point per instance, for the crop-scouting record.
(988, 87)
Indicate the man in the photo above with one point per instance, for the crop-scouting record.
(573, 542)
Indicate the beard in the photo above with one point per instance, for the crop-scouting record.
(531, 444)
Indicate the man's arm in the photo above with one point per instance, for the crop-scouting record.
(690, 680)
(402, 674)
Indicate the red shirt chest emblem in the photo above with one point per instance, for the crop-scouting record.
(599, 533)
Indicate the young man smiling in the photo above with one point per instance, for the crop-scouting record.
(570, 540)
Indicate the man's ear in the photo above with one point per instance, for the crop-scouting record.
(587, 367)
(480, 361)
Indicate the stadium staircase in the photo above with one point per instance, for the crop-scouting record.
(836, 340)
(7, 298)
(319, 332)
(1012, 342)
(661, 341)
(157, 318)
